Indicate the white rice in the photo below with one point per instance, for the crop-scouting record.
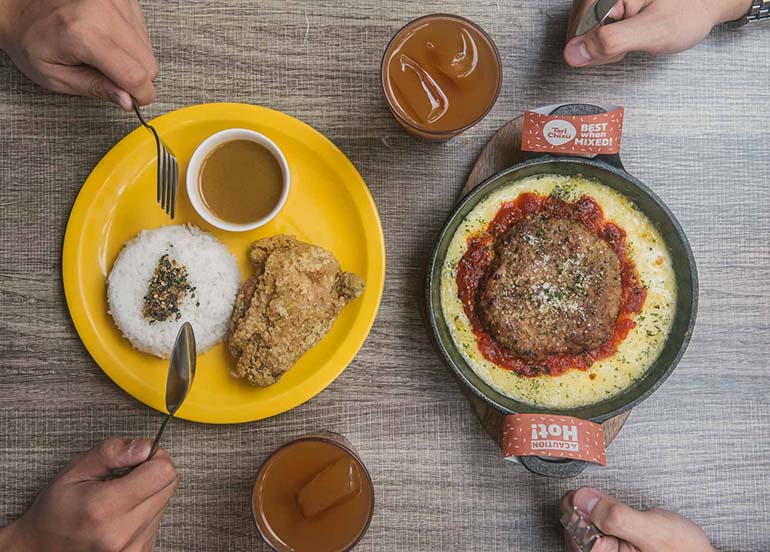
(211, 268)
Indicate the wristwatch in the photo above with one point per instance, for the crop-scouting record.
(760, 9)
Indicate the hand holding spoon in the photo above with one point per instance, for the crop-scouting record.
(181, 371)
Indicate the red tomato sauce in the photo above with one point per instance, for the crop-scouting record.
(477, 260)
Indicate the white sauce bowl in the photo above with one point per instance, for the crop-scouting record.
(200, 154)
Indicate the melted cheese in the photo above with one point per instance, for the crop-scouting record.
(635, 354)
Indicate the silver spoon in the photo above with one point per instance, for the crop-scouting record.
(595, 16)
(181, 371)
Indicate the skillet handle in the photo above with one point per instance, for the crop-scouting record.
(557, 468)
(579, 109)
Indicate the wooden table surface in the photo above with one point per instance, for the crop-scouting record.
(696, 131)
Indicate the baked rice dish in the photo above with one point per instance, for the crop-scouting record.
(558, 291)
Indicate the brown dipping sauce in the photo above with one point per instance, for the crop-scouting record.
(313, 495)
(240, 182)
(441, 74)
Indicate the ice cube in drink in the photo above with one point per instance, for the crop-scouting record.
(332, 486)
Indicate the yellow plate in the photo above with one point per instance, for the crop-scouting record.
(328, 205)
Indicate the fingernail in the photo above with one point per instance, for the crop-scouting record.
(586, 500)
(576, 53)
(139, 449)
(114, 97)
(117, 96)
(617, 11)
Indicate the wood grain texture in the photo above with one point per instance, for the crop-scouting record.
(695, 131)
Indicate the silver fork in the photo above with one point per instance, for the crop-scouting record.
(168, 169)
(584, 533)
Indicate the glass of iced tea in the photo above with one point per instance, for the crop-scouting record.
(313, 494)
(441, 74)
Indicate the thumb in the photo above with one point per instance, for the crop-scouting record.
(609, 43)
(107, 456)
(82, 80)
(615, 518)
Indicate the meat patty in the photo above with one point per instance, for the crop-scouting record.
(553, 288)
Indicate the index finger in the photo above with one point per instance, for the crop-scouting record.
(131, 10)
(122, 68)
(608, 544)
(146, 480)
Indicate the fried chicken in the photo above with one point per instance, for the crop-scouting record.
(287, 306)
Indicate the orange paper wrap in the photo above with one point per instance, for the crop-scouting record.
(553, 436)
(573, 135)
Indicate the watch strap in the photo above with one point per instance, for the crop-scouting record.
(759, 10)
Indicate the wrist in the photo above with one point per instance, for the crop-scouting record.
(731, 10)
(11, 538)
(7, 17)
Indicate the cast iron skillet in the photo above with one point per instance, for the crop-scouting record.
(610, 172)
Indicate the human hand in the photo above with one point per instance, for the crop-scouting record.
(630, 530)
(80, 511)
(96, 48)
(652, 26)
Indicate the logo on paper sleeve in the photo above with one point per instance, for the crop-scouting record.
(559, 132)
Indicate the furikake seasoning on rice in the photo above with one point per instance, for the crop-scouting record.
(168, 286)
